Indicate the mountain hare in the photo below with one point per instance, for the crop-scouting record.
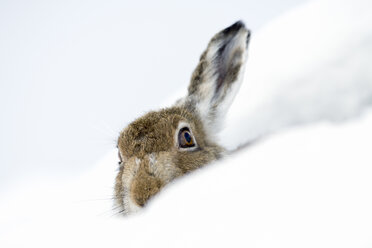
(163, 145)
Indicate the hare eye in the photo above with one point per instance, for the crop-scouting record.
(185, 138)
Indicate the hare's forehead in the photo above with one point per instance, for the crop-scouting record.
(151, 133)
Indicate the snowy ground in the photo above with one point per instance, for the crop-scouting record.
(305, 186)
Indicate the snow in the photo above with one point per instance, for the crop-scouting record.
(305, 186)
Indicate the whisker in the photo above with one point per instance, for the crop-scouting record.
(109, 198)
(112, 211)
(117, 213)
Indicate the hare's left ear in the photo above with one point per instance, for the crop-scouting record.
(218, 75)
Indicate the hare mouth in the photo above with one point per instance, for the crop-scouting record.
(128, 205)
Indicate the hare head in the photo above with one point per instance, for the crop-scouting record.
(163, 145)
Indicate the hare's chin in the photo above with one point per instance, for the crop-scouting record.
(130, 206)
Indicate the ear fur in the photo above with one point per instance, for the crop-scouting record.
(217, 77)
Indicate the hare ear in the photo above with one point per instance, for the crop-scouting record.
(218, 75)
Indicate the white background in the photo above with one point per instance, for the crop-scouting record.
(74, 73)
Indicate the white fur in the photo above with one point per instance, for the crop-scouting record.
(152, 160)
(161, 166)
(129, 205)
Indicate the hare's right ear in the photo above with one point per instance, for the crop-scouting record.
(218, 75)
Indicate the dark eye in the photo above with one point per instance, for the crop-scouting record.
(120, 159)
(185, 139)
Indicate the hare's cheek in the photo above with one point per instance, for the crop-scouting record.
(189, 161)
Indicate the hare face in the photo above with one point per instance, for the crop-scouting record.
(161, 146)
(157, 148)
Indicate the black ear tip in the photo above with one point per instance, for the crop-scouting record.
(235, 27)
(239, 24)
